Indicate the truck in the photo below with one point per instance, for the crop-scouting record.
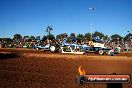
(98, 48)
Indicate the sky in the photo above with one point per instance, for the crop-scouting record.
(31, 17)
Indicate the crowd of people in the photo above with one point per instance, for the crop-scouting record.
(21, 43)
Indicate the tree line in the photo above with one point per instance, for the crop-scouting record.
(79, 37)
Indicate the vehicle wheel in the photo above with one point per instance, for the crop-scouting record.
(52, 48)
(37, 49)
(111, 52)
(59, 50)
(101, 52)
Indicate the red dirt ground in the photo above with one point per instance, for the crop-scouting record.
(24, 68)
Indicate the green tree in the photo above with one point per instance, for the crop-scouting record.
(116, 38)
(37, 38)
(32, 37)
(26, 37)
(80, 38)
(72, 35)
(17, 36)
(128, 37)
(105, 38)
(96, 33)
(64, 35)
(88, 36)
(50, 37)
(44, 38)
(68, 39)
(61, 36)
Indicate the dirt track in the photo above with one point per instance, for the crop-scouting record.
(22, 68)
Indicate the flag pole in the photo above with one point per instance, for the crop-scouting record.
(91, 26)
